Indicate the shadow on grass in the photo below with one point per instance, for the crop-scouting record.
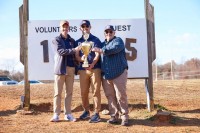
(42, 107)
(7, 112)
(36, 108)
(150, 121)
(189, 111)
(80, 108)
(176, 120)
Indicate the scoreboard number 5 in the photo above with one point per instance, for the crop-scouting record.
(133, 51)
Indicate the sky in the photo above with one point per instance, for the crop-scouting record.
(177, 24)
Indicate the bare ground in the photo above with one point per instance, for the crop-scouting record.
(180, 97)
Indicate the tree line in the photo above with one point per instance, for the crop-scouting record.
(14, 75)
(189, 69)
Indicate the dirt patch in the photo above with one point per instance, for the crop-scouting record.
(179, 97)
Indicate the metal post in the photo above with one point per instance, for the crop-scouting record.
(148, 96)
(156, 78)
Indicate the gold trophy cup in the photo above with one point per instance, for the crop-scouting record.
(86, 48)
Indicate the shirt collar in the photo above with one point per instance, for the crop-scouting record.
(90, 36)
(68, 36)
(109, 40)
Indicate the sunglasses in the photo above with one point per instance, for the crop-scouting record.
(108, 32)
(85, 26)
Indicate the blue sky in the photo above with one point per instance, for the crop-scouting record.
(177, 23)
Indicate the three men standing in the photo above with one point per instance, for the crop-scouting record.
(112, 70)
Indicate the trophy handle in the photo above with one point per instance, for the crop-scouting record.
(79, 44)
(91, 45)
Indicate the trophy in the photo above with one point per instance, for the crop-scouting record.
(86, 48)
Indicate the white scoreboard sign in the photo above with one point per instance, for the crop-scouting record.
(42, 32)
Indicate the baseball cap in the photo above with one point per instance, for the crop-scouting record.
(109, 27)
(86, 22)
(62, 22)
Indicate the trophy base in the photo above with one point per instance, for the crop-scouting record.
(85, 65)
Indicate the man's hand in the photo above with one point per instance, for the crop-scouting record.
(78, 48)
(83, 58)
(95, 49)
(90, 67)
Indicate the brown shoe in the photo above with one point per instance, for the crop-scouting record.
(124, 122)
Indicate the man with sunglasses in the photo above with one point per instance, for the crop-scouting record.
(90, 76)
(114, 68)
(64, 70)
